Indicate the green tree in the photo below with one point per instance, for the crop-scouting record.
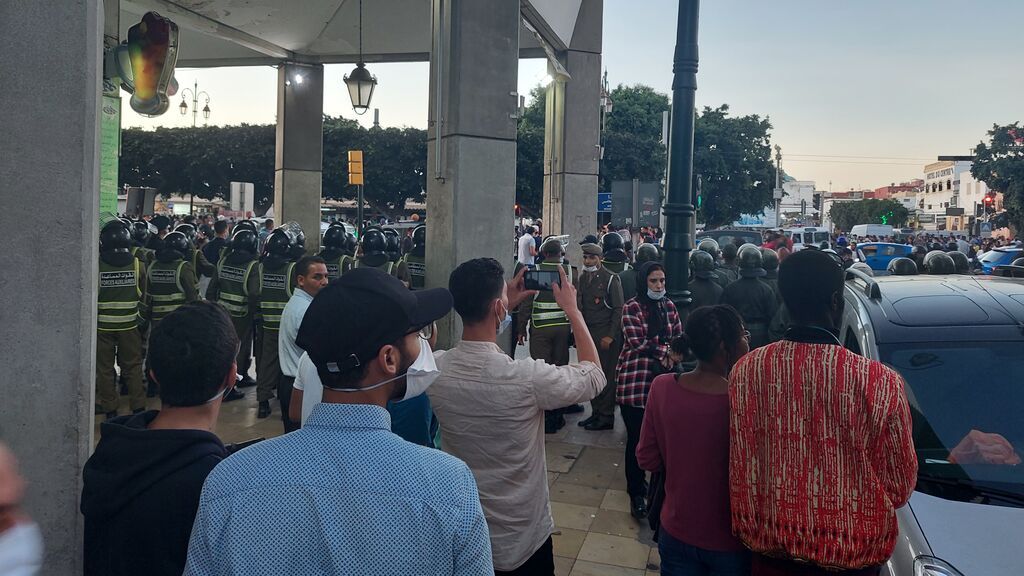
(530, 154)
(632, 136)
(733, 157)
(1000, 165)
(846, 215)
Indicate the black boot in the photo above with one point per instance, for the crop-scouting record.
(246, 382)
(264, 410)
(586, 421)
(638, 507)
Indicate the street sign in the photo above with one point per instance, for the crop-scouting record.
(604, 201)
(355, 167)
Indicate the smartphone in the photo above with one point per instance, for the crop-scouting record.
(540, 279)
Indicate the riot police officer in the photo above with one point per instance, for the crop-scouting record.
(615, 258)
(236, 286)
(645, 253)
(394, 252)
(416, 259)
(599, 298)
(140, 237)
(374, 252)
(277, 283)
(963, 264)
(171, 278)
(549, 326)
(334, 251)
(938, 262)
(120, 312)
(195, 256)
(770, 264)
(752, 298)
(704, 290)
(728, 269)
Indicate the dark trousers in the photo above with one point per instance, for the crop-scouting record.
(514, 331)
(268, 371)
(124, 347)
(681, 559)
(542, 563)
(633, 418)
(284, 395)
(603, 405)
(551, 344)
(243, 329)
(762, 565)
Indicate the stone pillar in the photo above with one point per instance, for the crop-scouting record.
(298, 163)
(471, 150)
(50, 172)
(572, 136)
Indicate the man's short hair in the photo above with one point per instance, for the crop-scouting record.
(269, 223)
(531, 230)
(807, 280)
(474, 285)
(304, 263)
(220, 226)
(191, 352)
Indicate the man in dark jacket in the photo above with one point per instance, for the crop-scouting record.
(751, 297)
(141, 486)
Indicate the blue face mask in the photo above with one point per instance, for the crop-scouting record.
(505, 322)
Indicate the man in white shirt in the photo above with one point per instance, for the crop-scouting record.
(527, 246)
(310, 276)
(491, 410)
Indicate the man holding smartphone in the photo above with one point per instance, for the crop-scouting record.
(549, 325)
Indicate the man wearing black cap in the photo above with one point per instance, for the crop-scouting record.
(343, 495)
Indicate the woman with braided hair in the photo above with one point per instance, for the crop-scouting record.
(685, 435)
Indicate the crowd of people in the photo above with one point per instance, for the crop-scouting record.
(755, 442)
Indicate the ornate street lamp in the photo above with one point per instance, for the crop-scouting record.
(360, 82)
(194, 91)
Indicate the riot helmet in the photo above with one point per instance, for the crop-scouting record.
(141, 232)
(245, 240)
(647, 253)
(115, 237)
(189, 231)
(335, 238)
(279, 243)
(902, 267)
(750, 262)
(419, 236)
(702, 264)
(374, 242)
(961, 263)
(710, 245)
(246, 225)
(611, 241)
(351, 244)
(746, 246)
(938, 262)
(178, 242)
(394, 247)
(729, 252)
(769, 259)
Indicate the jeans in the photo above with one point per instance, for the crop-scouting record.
(680, 559)
(633, 418)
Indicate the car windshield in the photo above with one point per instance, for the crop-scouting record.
(967, 403)
(993, 256)
(820, 237)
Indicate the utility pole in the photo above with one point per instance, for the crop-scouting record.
(679, 210)
(777, 194)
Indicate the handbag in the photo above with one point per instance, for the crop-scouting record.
(655, 500)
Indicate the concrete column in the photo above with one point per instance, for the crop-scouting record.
(298, 163)
(50, 171)
(471, 151)
(573, 135)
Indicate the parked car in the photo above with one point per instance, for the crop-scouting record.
(803, 236)
(999, 257)
(877, 255)
(957, 342)
(730, 235)
(879, 230)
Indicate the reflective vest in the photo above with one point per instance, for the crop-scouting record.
(118, 303)
(336, 266)
(165, 287)
(233, 279)
(417, 267)
(144, 254)
(546, 312)
(275, 291)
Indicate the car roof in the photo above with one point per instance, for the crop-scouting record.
(859, 244)
(927, 308)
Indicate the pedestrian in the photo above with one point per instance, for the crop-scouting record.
(527, 247)
(821, 453)
(649, 324)
(491, 410)
(268, 227)
(213, 248)
(751, 297)
(141, 486)
(599, 298)
(120, 315)
(311, 276)
(685, 436)
(276, 273)
(549, 326)
(343, 495)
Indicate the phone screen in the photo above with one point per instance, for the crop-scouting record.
(540, 279)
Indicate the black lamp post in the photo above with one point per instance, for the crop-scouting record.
(679, 210)
(360, 82)
(183, 108)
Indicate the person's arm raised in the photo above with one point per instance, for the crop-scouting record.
(565, 296)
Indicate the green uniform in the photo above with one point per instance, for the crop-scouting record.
(171, 284)
(599, 298)
(277, 279)
(549, 330)
(237, 287)
(727, 274)
(704, 292)
(417, 266)
(145, 255)
(616, 267)
(337, 263)
(120, 304)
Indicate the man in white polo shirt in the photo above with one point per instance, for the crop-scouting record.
(311, 276)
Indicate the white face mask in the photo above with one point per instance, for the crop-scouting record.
(655, 294)
(505, 322)
(590, 268)
(418, 377)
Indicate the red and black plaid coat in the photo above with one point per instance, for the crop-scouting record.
(642, 352)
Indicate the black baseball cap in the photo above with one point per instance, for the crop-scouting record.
(351, 319)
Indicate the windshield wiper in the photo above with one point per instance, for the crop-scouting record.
(968, 484)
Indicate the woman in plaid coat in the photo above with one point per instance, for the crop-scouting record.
(649, 323)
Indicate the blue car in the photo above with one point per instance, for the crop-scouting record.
(877, 255)
(999, 257)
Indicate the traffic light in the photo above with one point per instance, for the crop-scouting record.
(990, 202)
(698, 192)
(355, 167)
(816, 200)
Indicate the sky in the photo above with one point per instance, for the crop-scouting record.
(860, 93)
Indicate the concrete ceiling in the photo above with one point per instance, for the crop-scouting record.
(259, 32)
